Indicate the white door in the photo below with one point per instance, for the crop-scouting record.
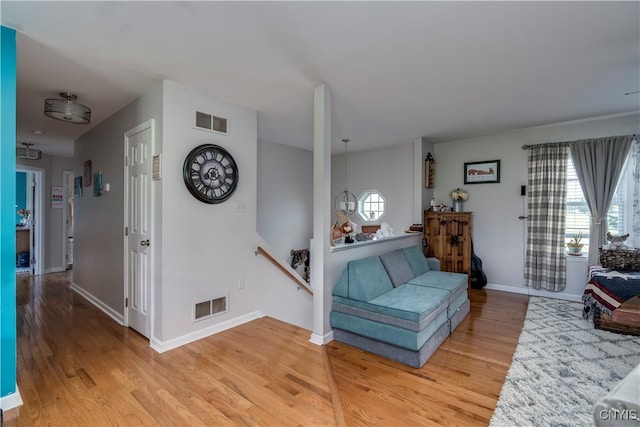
(35, 203)
(138, 146)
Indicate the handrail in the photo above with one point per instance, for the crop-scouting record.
(301, 283)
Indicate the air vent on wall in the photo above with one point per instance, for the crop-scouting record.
(204, 309)
(206, 121)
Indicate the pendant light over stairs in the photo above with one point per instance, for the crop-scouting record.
(345, 202)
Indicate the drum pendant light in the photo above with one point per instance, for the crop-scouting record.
(67, 110)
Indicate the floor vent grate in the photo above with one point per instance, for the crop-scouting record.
(205, 309)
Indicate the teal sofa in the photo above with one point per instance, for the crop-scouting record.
(398, 305)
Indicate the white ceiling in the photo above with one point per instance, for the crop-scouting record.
(397, 70)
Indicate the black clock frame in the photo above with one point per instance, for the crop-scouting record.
(189, 180)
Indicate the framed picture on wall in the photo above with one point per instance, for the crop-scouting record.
(97, 184)
(77, 186)
(484, 172)
(87, 173)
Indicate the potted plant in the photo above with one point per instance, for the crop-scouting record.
(574, 246)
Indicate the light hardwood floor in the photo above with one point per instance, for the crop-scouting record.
(78, 367)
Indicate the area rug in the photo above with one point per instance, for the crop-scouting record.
(561, 367)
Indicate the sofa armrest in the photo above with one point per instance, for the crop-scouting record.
(621, 407)
(434, 263)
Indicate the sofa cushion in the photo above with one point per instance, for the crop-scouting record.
(400, 337)
(456, 304)
(416, 259)
(409, 357)
(373, 312)
(420, 300)
(397, 266)
(363, 280)
(458, 316)
(454, 283)
(411, 303)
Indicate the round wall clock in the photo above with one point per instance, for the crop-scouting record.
(210, 173)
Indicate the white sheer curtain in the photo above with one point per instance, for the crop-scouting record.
(635, 200)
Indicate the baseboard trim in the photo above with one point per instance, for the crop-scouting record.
(54, 270)
(162, 346)
(117, 317)
(11, 401)
(534, 292)
(321, 339)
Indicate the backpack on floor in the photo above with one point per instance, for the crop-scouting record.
(23, 259)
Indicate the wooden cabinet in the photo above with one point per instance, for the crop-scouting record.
(23, 235)
(448, 237)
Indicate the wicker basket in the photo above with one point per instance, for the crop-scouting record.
(620, 259)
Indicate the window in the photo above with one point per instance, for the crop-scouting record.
(371, 205)
(619, 215)
(578, 216)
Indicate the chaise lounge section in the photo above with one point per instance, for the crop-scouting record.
(398, 305)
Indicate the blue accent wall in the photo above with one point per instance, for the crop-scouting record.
(7, 211)
(21, 193)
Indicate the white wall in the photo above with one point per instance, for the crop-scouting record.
(389, 170)
(199, 251)
(498, 234)
(285, 197)
(206, 248)
(53, 229)
(98, 267)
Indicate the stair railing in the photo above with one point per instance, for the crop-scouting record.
(286, 269)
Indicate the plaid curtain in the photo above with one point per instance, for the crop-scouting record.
(545, 265)
(635, 199)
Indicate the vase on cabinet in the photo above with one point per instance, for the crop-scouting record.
(458, 206)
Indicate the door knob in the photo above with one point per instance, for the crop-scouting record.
(144, 242)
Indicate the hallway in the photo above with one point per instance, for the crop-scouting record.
(76, 366)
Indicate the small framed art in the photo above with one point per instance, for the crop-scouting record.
(484, 172)
(77, 186)
(97, 184)
(86, 168)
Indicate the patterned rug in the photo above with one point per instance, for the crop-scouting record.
(561, 367)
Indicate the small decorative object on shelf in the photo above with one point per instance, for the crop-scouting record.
(429, 171)
(459, 196)
(617, 242)
(574, 246)
(346, 227)
(25, 215)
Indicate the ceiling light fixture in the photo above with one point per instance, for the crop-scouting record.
(67, 110)
(345, 202)
(27, 153)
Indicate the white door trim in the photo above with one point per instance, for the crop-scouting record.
(65, 228)
(149, 124)
(38, 218)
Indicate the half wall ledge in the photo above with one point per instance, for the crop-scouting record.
(357, 244)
